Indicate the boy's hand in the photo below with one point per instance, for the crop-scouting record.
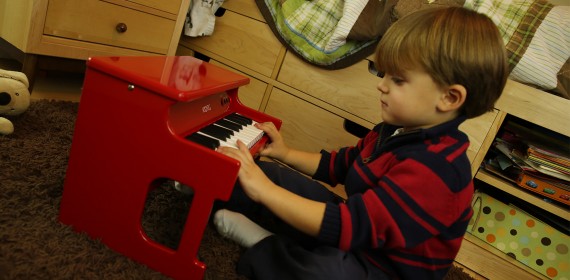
(302, 213)
(276, 148)
(251, 177)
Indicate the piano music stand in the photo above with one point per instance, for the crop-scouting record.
(127, 135)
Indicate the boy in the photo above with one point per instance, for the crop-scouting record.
(408, 181)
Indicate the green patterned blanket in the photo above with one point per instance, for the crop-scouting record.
(328, 33)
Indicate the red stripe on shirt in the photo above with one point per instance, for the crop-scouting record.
(444, 143)
(457, 152)
(346, 230)
(398, 180)
(331, 168)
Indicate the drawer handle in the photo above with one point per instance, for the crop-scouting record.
(121, 27)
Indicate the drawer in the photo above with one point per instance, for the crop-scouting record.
(171, 6)
(477, 130)
(251, 94)
(96, 21)
(352, 89)
(242, 40)
(306, 126)
(246, 8)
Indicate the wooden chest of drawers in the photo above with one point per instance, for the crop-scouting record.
(80, 29)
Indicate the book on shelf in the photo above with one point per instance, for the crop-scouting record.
(536, 163)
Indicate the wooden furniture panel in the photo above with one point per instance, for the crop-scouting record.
(170, 6)
(251, 95)
(490, 263)
(352, 89)
(539, 107)
(166, 9)
(478, 129)
(241, 39)
(104, 22)
(305, 126)
(246, 8)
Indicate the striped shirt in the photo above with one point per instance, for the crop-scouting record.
(409, 199)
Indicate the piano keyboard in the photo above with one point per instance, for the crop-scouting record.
(226, 131)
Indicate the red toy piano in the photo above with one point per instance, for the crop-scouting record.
(144, 118)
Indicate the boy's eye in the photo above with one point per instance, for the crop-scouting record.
(397, 80)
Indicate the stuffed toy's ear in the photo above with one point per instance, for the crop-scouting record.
(14, 75)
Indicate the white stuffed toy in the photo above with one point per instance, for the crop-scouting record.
(14, 98)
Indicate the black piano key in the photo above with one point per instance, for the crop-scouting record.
(241, 123)
(225, 131)
(234, 119)
(248, 120)
(230, 125)
(217, 131)
(203, 140)
(239, 119)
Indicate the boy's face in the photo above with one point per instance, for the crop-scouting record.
(410, 99)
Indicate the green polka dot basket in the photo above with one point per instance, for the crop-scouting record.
(521, 236)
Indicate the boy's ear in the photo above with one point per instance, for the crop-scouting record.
(453, 98)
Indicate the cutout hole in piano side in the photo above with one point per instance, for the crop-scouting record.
(165, 212)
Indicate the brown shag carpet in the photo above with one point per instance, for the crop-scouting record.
(35, 245)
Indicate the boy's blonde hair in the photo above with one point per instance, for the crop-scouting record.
(453, 45)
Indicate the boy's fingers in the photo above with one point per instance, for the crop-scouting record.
(243, 148)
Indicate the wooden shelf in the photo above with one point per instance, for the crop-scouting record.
(490, 263)
(536, 106)
(509, 188)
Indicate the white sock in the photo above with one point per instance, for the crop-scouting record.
(239, 228)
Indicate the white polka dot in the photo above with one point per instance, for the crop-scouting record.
(490, 223)
(534, 234)
(550, 256)
(501, 246)
(514, 245)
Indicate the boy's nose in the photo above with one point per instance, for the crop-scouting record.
(381, 87)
